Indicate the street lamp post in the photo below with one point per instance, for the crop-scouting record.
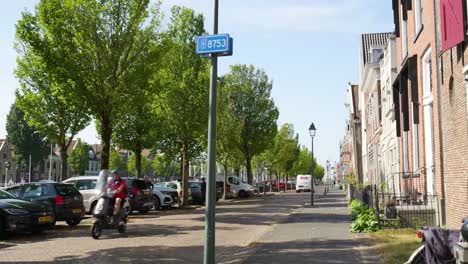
(312, 131)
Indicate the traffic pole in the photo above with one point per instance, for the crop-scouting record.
(209, 252)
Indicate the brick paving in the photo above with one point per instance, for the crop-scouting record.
(172, 236)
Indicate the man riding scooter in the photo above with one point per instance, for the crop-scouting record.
(119, 186)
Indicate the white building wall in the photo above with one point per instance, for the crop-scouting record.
(389, 143)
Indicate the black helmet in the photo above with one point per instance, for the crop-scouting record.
(114, 172)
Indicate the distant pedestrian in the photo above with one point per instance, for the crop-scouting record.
(23, 181)
(11, 182)
(149, 184)
(203, 190)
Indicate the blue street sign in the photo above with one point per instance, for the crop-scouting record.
(219, 44)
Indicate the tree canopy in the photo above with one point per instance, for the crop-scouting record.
(79, 158)
(254, 109)
(26, 140)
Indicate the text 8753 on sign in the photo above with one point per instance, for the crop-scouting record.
(213, 44)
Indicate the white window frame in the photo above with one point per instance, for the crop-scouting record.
(415, 147)
(418, 15)
(405, 152)
(427, 74)
(404, 37)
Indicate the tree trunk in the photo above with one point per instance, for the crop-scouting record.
(249, 170)
(286, 181)
(271, 181)
(138, 162)
(106, 134)
(185, 171)
(64, 159)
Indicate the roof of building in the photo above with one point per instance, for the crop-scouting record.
(370, 40)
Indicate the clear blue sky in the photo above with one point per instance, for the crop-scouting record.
(308, 47)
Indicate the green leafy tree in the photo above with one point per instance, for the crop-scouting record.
(254, 109)
(228, 132)
(146, 165)
(285, 149)
(100, 44)
(26, 140)
(116, 162)
(319, 172)
(164, 166)
(46, 87)
(303, 162)
(139, 125)
(183, 99)
(79, 158)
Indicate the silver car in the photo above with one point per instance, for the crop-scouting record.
(86, 185)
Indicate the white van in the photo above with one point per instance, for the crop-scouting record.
(237, 187)
(303, 183)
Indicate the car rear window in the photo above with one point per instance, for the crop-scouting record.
(139, 184)
(65, 190)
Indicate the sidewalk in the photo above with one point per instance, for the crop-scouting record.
(317, 234)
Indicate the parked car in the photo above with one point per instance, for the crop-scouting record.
(86, 185)
(259, 187)
(66, 200)
(274, 185)
(178, 186)
(237, 187)
(165, 197)
(19, 215)
(140, 196)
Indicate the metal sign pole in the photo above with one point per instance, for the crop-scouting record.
(209, 253)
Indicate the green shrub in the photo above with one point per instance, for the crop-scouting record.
(357, 208)
(365, 222)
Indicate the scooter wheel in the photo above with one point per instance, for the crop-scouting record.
(96, 230)
(122, 228)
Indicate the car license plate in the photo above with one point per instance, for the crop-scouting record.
(45, 219)
(76, 211)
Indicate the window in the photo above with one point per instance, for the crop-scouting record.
(376, 53)
(85, 184)
(427, 73)
(232, 180)
(418, 15)
(404, 37)
(32, 191)
(15, 191)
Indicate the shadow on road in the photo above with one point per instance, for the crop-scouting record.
(292, 251)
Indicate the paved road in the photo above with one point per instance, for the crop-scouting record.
(174, 236)
(317, 234)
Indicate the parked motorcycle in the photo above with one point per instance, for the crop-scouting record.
(441, 246)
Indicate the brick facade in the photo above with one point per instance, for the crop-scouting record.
(454, 113)
(418, 43)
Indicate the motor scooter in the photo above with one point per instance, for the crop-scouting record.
(103, 214)
(442, 246)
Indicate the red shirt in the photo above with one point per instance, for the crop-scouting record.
(123, 193)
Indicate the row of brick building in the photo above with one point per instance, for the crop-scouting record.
(407, 127)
